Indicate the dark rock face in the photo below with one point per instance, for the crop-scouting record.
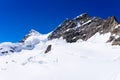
(60, 29)
(68, 25)
(48, 49)
(115, 36)
(84, 32)
(109, 25)
(83, 27)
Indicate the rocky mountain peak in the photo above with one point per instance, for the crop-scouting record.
(60, 29)
(83, 27)
(109, 24)
(82, 16)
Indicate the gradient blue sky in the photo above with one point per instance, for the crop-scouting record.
(17, 17)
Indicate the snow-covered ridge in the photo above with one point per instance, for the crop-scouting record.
(81, 27)
(90, 57)
(29, 42)
(66, 61)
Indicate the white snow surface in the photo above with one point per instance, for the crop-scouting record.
(90, 60)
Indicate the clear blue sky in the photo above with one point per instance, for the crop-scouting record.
(17, 17)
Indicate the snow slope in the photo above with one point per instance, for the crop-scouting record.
(90, 60)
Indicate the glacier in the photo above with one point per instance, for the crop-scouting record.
(84, 60)
(78, 50)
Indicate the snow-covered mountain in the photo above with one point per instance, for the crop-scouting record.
(85, 48)
(84, 27)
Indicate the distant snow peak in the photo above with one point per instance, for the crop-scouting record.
(32, 32)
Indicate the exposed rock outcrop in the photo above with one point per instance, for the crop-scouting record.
(115, 36)
(109, 25)
(48, 49)
(83, 27)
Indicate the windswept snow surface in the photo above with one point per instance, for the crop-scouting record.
(90, 60)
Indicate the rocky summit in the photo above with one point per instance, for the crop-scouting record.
(84, 27)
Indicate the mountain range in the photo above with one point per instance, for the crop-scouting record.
(84, 48)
